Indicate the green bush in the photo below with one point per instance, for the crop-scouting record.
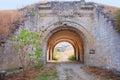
(33, 13)
(23, 42)
(55, 58)
(72, 58)
(117, 20)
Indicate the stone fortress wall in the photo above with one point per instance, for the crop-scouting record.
(101, 42)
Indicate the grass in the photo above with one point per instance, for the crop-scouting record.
(38, 66)
(72, 58)
(49, 74)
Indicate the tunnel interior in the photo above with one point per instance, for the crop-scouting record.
(66, 34)
(64, 52)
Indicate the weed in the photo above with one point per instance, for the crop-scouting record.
(55, 58)
(33, 13)
(72, 58)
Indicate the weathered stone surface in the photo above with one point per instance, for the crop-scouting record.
(87, 20)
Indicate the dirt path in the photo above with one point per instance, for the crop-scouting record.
(72, 71)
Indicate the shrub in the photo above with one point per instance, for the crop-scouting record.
(117, 20)
(55, 58)
(33, 13)
(27, 44)
(72, 58)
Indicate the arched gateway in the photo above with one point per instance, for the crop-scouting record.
(85, 25)
(67, 31)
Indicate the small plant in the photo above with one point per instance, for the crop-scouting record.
(117, 20)
(33, 13)
(55, 58)
(72, 58)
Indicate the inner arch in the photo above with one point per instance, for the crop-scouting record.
(64, 52)
(64, 34)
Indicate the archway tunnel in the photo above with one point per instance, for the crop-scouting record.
(65, 34)
(64, 52)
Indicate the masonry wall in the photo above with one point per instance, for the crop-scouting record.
(107, 43)
(96, 30)
(8, 57)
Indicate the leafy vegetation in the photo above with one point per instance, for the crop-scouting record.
(55, 53)
(117, 20)
(72, 58)
(27, 44)
(55, 58)
(33, 13)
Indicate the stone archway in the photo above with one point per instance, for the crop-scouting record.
(84, 38)
(63, 52)
(67, 34)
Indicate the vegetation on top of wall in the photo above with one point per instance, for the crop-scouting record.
(117, 20)
(33, 13)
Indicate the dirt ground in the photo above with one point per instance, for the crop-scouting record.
(77, 71)
(102, 74)
(66, 71)
(72, 71)
(31, 74)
